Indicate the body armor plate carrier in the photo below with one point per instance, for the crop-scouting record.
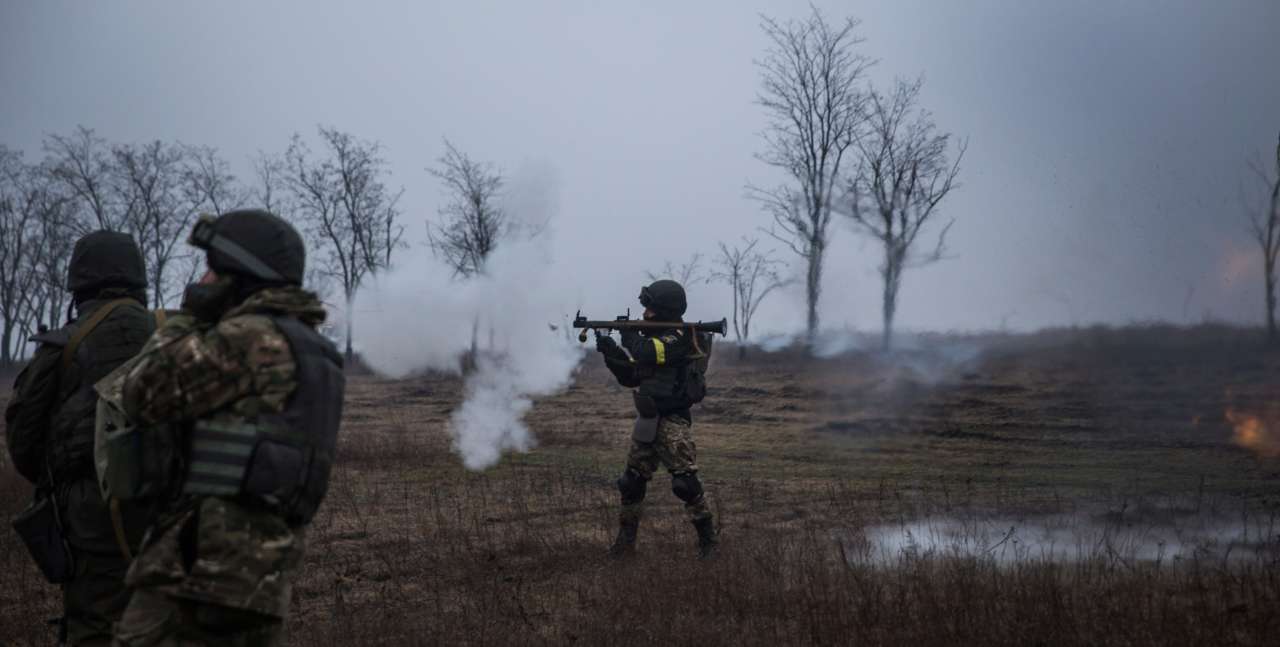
(281, 459)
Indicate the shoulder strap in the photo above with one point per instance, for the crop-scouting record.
(69, 351)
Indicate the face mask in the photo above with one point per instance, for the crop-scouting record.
(208, 301)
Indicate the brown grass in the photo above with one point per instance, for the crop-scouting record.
(1123, 427)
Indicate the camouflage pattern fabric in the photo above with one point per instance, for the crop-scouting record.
(156, 619)
(213, 563)
(672, 448)
(237, 369)
(223, 554)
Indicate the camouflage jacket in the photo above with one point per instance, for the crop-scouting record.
(211, 549)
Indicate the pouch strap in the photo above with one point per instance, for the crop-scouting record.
(117, 523)
(69, 352)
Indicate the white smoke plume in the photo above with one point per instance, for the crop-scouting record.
(419, 317)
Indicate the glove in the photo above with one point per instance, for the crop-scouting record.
(605, 344)
(630, 337)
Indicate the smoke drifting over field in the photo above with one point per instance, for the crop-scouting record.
(419, 318)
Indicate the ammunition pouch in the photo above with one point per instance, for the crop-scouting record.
(246, 459)
(695, 378)
(278, 475)
(647, 419)
(43, 533)
(219, 457)
(140, 462)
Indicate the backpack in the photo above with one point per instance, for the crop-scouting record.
(110, 419)
(695, 379)
(111, 425)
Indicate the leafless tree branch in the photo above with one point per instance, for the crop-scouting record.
(811, 77)
(687, 274)
(348, 213)
(751, 275)
(1265, 223)
(905, 171)
(471, 223)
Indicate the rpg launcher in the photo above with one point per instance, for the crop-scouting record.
(625, 322)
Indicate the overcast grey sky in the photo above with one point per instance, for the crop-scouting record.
(1102, 181)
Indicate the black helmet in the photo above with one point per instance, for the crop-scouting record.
(252, 243)
(106, 259)
(665, 298)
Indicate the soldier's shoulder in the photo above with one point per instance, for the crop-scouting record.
(671, 338)
(131, 309)
(249, 327)
(60, 337)
(256, 334)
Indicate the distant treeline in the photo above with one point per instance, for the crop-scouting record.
(155, 190)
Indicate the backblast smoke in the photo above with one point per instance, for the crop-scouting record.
(419, 317)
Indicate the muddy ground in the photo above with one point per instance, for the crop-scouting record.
(806, 460)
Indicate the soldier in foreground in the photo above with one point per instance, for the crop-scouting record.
(659, 365)
(49, 428)
(253, 395)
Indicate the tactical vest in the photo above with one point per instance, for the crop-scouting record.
(675, 386)
(112, 341)
(281, 459)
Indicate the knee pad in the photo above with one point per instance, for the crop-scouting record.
(632, 486)
(686, 486)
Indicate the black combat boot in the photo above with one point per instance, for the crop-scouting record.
(708, 538)
(624, 545)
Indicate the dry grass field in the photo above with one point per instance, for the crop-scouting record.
(829, 477)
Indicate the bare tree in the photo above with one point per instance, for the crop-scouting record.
(811, 79)
(364, 198)
(13, 240)
(270, 189)
(1266, 230)
(83, 163)
(751, 275)
(905, 172)
(21, 201)
(472, 222)
(55, 237)
(349, 213)
(208, 186)
(208, 183)
(148, 180)
(686, 273)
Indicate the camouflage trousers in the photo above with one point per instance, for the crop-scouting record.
(674, 449)
(218, 573)
(157, 619)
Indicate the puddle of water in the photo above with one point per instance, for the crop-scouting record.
(1063, 539)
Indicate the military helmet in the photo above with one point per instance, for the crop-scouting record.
(665, 298)
(106, 259)
(253, 243)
